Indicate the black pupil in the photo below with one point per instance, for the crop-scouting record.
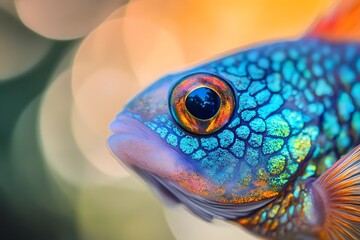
(203, 103)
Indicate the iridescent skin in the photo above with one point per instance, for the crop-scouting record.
(291, 216)
(297, 111)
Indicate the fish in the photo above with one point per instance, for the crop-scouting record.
(266, 137)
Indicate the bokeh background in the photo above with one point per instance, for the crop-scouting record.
(67, 67)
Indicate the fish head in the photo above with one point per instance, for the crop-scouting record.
(217, 136)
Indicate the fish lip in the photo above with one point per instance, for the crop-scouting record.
(136, 145)
(131, 128)
(124, 123)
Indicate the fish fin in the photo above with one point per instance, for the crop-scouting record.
(343, 23)
(340, 187)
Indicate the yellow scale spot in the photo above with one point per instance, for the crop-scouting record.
(274, 211)
(299, 146)
(276, 164)
(285, 203)
(274, 225)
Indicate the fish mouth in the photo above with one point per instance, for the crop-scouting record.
(134, 144)
(140, 149)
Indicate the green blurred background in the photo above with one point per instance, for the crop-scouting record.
(35, 204)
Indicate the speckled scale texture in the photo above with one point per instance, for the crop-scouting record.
(308, 94)
(290, 216)
(297, 107)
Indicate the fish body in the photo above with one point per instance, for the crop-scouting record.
(255, 137)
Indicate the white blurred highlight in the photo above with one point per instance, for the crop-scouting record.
(102, 49)
(151, 49)
(98, 98)
(185, 226)
(101, 96)
(66, 19)
(20, 48)
(114, 63)
(57, 140)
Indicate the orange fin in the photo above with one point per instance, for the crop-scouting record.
(340, 187)
(343, 23)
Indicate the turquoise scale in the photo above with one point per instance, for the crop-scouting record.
(298, 103)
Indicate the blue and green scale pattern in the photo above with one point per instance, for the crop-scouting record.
(298, 106)
(291, 213)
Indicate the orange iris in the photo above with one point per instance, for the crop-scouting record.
(179, 107)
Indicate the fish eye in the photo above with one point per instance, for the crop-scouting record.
(202, 103)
